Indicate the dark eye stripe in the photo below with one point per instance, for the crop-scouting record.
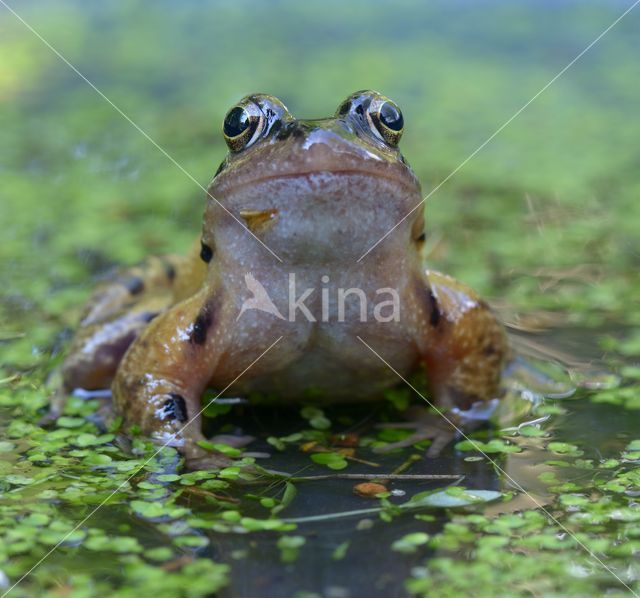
(344, 109)
(206, 253)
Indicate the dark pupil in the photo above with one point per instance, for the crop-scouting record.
(391, 116)
(236, 122)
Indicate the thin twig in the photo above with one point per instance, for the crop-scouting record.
(375, 476)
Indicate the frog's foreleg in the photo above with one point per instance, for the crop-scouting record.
(162, 376)
(467, 347)
(464, 349)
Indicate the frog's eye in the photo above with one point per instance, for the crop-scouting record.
(243, 125)
(385, 120)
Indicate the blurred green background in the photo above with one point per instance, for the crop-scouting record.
(81, 188)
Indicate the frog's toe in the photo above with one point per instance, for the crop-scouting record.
(235, 441)
(57, 400)
(210, 460)
(427, 427)
(440, 439)
(439, 436)
(49, 419)
(238, 442)
(408, 441)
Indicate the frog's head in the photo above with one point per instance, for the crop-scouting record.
(315, 189)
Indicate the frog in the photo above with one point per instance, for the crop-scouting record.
(308, 283)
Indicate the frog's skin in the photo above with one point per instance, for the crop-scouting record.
(318, 194)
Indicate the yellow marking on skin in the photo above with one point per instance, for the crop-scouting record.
(257, 220)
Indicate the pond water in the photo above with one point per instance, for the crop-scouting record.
(543, 222)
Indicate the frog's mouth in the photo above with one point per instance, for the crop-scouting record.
(259, 220)
(408, 184)
(319, 215)
(321, 152)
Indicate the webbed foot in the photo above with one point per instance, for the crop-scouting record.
(428, 426)
(208, 461)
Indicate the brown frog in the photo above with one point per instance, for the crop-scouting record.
(277, 297)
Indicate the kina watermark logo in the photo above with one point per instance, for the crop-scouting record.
(259, 299)
(337, 304)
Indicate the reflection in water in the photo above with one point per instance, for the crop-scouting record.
(256, 562)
